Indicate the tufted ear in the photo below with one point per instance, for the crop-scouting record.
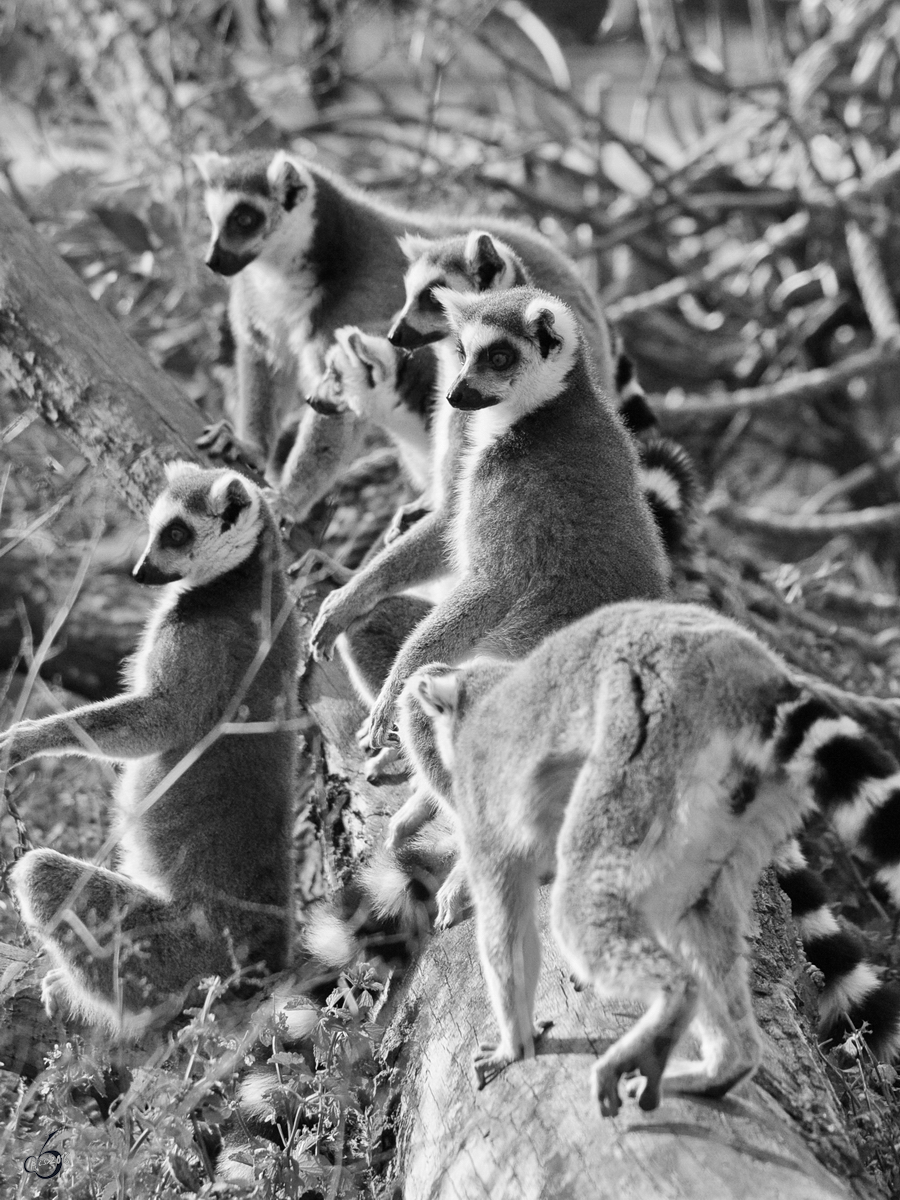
(437, 693)
(230, 497)
(551, 324)
(413, 245)
(210, 164)
(455, 304)
(289, 180)
(483, 259)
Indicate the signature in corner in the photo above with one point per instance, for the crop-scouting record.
(34, 1166)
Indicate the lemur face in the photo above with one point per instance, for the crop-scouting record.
(256, 203)
(516, 347)
(360, 376)
(204, 524)
(472, 263)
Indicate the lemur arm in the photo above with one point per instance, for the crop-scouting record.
(414, 557)
(249, 438)
(323, 448)
(453, 627)
(130, 726)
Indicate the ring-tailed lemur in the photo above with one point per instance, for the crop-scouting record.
(652, 758)
(309, 253)
(204, 808)
(545, 520)
(398, 390)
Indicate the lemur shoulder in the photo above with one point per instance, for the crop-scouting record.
(652, 758)
(203, 814)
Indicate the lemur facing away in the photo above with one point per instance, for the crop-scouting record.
(652, 758)
(203, 810)
(545, 520)
(397, 390)
(310, 253)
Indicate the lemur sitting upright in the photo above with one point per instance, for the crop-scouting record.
(310, 253)
(204, 808)
(544, 521)
(398, 390)
(653, 758)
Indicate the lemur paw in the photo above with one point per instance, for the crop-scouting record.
(608, 1071)
(220, 441)
(453, 901)
(489, 1060)
(378, 730)
(53, 991)
(328, 626)
(379, 765)
(404, 518)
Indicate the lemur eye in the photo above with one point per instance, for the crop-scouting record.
(244, 218)
(500, 358)
(428, 300)
(460, 350)
(176, 534)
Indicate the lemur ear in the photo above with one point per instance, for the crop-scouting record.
(365, 350)
(438, 694)
(413, 245)
(230, 496)
(548, 323)
(455, 304)
(288, 181)
(209, 164)
(483, 260)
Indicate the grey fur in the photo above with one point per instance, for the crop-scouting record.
(653, 757)
(203, 880)
(550, 523)
(346, 268)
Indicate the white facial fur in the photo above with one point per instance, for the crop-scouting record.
(213, 550)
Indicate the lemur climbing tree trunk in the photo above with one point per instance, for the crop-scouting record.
(533, 1131)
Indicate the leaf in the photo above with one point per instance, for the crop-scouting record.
(127, 227)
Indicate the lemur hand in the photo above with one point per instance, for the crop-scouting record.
(378, 729)
(220, 441)
(335, 614)
(19, 743)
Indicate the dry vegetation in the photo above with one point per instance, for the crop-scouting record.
(731, 184)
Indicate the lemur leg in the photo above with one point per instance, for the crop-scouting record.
(510, 951)
(729, 1038)
(119, 950)
(454, 626)
(453, 898)
(324, 448)
(368, 650)
(248, 439)
(416, 557)
(409, 818)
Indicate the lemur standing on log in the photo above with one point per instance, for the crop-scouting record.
(653, 758)
(203, 813)
(544, 521)
(310, 253)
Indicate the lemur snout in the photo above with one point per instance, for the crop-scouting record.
(462, 395)
(145, 572)
(226, 262)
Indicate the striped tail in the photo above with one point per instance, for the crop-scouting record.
(631, 399)
(669, 483)
(854, 995)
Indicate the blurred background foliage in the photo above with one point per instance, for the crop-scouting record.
(726, 174)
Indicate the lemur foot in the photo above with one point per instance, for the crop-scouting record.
(453, 901)
(609, 1070)
(489, 1059)
(220, 441)
(378, 729)
(53, 991)
(379, 766)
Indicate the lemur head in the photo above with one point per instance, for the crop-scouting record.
(360, 375)
(474, 262)
(260, 205)
(516, 347)
(203, 525)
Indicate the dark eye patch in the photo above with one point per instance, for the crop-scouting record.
(499, 356)
(176, 535)
(244, 219)
(427, 299)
